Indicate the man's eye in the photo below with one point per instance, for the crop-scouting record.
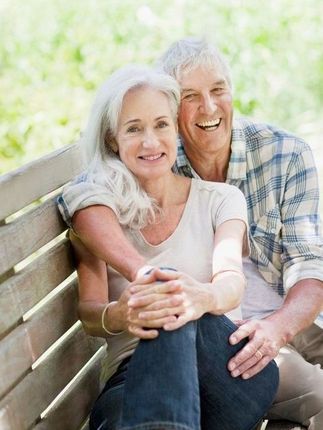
(189, 97)
(217, 90)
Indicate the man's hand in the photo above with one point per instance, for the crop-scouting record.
(265, 340)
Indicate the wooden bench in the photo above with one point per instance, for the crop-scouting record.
(49, 368)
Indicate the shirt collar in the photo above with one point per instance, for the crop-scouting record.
(238, 160)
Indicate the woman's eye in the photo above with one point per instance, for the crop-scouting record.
(132, 129)
(162, 124)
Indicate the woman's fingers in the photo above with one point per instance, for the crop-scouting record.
(155, 301)
(142, 333)
(157, 287)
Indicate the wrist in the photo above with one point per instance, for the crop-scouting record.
(109, 319)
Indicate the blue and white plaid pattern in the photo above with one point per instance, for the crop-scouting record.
(276, 172)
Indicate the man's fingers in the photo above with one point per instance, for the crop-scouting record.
(257, 368)
(251, 351)
(242, 332)
(248, 364)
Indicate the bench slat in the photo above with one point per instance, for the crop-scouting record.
(24, 404)
(28, 233)
(22, 347)
(24, 290)
(79, 398)
(38, 178)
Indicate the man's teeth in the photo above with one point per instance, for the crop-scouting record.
(206, 124)
(151, 157)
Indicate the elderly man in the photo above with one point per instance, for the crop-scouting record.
(276, 173)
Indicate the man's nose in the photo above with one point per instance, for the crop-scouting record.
(208, 105)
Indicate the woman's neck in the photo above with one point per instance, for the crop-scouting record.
(168, 191)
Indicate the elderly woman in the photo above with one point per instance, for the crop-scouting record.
(168, 347)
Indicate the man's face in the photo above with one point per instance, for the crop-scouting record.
(205, 115)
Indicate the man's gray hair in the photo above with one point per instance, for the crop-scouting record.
(130, 202)
(188, 54)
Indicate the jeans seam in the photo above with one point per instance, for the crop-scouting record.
(157, 425)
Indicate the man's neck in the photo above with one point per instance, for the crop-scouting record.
(211, 167)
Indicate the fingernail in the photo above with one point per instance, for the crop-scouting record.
(235, 373)
(233, 339)
(231, 366)
(246, 376)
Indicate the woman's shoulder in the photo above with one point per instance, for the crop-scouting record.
(217, 188)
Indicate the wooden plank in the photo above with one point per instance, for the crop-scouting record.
(36, 179)
(25, 289)
(22, 347)
(23, 405)
(80, 397)
(28, 233)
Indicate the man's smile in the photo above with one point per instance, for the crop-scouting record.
(209, 125)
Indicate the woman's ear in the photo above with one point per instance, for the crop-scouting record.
(114, 146)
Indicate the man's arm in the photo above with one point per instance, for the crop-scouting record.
(99, 230)
(302, 259)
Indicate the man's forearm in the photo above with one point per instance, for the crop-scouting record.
(99, 230)
(303, 303)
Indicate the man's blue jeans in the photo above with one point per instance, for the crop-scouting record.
(180, 381)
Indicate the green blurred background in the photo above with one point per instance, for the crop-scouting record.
(54, 54)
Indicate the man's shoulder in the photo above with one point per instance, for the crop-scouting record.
(260, 135)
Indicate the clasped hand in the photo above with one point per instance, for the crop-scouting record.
(164, 299)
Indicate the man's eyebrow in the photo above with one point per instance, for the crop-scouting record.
(214, 84)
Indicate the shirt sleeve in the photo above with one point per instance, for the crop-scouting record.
(81, 194)
(302, 245)
(233, 206)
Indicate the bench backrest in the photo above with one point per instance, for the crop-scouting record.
(49, 368)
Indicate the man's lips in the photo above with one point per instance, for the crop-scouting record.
(209, 125)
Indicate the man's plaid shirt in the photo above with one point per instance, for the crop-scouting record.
(276, 173)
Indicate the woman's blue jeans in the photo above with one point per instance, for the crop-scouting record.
(180, 381)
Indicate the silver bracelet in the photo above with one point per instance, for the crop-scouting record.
(111, 333)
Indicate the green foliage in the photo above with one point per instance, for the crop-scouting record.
(54, 54)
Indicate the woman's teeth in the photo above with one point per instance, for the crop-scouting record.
(151, 157)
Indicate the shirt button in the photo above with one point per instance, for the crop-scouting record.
(272, 230)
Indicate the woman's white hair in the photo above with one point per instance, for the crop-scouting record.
(188, 54)
(132, 205)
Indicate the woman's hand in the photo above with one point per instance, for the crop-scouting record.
(169, 303)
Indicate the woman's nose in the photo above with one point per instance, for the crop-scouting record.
(150, 139)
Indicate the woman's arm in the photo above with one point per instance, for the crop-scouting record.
(188, 299)
(228, 279)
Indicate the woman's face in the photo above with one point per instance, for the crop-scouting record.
(146, 134)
